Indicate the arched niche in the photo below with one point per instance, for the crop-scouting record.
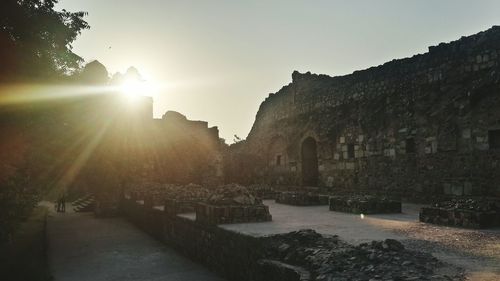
(309, 157)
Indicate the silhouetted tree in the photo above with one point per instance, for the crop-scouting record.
(35, 40)
(35, 46)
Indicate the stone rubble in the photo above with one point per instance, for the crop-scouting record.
(233, 194)
(364, 204)
(329, 258)
(483, 205)
(232, 203)
(468, 213)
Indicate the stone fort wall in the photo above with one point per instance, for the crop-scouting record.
(427, 125)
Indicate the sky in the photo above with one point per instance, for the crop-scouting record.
(218, 60)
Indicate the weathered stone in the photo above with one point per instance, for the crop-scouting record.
(364, 204)
(329, 258)
(466, 213)
(232, 204)
(422, 119)
(301, 198)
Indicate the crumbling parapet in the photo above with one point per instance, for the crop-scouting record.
(232, 204)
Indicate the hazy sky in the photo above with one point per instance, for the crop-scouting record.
(218, 60)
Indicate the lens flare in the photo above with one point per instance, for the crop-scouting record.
(136, 88)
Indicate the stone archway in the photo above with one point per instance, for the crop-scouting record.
(309, 162)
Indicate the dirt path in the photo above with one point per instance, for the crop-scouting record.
(82, 247)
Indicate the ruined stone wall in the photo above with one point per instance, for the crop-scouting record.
(230, 254)
(99, 143)
(423, 125)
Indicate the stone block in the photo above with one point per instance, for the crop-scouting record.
(468, 188)
(447, 188)
(329, 181)
(466, 133)
(457, 189)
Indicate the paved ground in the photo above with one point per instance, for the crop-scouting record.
(84, 248)
(477, 251)
(116, 250)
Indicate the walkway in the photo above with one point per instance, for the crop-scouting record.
(84, 248)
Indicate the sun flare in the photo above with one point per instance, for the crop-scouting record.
(134, 88)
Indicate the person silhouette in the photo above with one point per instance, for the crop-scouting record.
(63, 202)
(59, 204)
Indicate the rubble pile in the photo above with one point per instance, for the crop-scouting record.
(303, 198)
(468, 213)
(329, 258)
(151, 192)
(233, 194)
(166, 190)
(176, 198)
(232, 203)
(483, 205)
(189, 192)
(364, 204)
(184, 199)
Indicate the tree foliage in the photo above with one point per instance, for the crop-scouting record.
(35, 40)
(35, 46)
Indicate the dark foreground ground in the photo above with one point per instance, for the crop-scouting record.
(84, 248)
(25, 257)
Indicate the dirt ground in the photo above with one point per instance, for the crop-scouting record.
(475, 251)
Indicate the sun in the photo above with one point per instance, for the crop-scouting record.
(134, 88)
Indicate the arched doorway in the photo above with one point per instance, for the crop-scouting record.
(309, 162)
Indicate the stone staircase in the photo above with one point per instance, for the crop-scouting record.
(84, 204)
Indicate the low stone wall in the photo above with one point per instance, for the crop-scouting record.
(214, 214)
(297, 256)
(174, 206)
(301, 198)
(460, 217)
(265, 194)
(232, 255)
(364, 205)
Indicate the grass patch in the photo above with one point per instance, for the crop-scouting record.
(25, 256)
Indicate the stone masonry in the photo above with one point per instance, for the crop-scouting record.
(417, 127)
